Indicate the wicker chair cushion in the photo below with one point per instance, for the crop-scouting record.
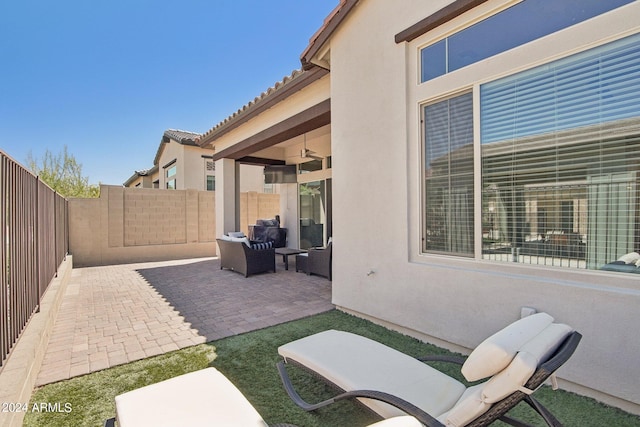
(236, 234)
(497, 351)
(244, 240)
(353, 362)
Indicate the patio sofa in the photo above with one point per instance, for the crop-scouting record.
(236, 254)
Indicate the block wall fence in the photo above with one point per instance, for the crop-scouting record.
(126, 225)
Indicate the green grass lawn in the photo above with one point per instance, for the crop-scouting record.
(249, 360)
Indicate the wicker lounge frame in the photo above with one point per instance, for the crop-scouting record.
(239, 257)
(498, 411)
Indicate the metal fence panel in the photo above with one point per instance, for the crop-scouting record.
(34, 236)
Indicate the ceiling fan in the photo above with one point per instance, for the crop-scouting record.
(305, 153)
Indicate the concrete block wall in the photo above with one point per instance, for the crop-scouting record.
(254, 206)
(157, 217)
(128, 225)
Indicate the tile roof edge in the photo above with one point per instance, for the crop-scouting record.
(253, 106)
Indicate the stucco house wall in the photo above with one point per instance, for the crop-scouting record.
(376, 139)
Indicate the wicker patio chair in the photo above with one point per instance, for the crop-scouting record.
(239, 257)
(316, 261)
(519, 359)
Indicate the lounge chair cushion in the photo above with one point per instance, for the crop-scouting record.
(403, 421)
(478, 399)
(497, 351)
(201, 398)
(353, 362)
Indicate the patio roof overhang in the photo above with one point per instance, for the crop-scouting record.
(312, 118)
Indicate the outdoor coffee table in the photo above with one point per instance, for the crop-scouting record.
(286, 253)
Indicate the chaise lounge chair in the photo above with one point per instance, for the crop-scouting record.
(198, 399)
(519, 359)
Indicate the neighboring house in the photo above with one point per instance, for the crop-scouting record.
(146, 178)
(470, 158)
(181, 164)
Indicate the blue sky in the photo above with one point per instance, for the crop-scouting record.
(107, 77)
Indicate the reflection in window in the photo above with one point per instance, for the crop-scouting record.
(505, 30)
(313, 214)
(560, 160)
(310, 166)
(449, 176)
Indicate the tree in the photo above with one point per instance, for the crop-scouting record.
(63, 173)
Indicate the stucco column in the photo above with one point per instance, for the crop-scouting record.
(226, 197)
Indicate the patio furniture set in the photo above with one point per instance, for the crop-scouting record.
(402, 390)
(248, 257)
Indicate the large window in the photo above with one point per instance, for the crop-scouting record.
(505, 30)
(448, 176)
(560, 155)
(560, 147)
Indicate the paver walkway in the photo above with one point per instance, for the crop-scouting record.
(117, 314)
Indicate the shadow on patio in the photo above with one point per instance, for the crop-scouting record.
(220, 303)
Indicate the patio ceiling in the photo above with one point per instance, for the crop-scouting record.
(310, 119)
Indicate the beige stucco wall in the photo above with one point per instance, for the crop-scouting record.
(191, 166)
(133, 225)
(376, 145)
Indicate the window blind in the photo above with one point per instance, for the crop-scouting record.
(598, 86)
(560, 155)
(449, 176)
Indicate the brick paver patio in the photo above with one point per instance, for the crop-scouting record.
(117, 314)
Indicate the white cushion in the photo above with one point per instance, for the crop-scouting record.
(236, 234)
(510, 379)
(478, 399)
(403, 421)
(547, 341)
(630, 258)
(225, 237)
(497, 351)
(469, 407)
(241, 239)
(353, 362)
(201, 398)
